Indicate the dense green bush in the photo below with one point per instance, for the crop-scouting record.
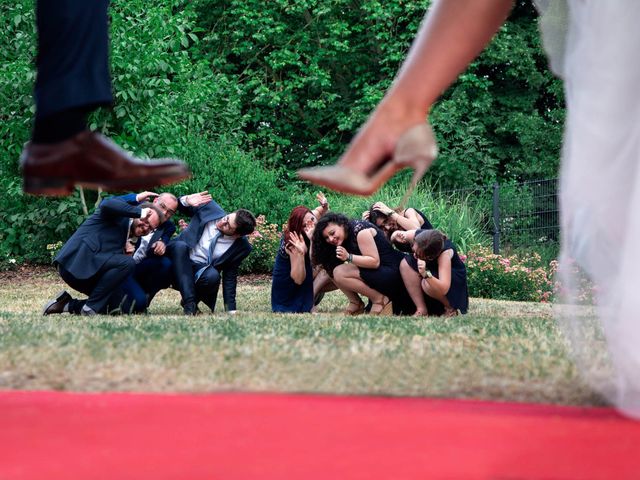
(265, 241)
(246, 91)
(309, 73)
(514, 277)
(234, 178)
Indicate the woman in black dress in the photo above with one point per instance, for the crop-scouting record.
(391, 220)
(435, 276)
(361, 261)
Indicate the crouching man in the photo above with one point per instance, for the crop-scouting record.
(94, 260)
(208, 251)
(153, 270)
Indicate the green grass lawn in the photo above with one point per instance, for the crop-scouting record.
(500, 350)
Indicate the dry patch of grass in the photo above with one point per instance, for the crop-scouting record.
(500, 351)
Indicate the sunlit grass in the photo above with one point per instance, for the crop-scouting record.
(500, 350)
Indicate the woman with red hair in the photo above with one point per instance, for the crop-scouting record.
(292, 277)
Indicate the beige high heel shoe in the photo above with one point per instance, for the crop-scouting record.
(415, 149)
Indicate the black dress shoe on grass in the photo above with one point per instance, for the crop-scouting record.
(192, 310)
(57, 304)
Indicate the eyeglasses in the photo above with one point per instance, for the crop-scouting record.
(163, 206)
(225, 221)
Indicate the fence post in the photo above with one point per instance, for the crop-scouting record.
(496, 218)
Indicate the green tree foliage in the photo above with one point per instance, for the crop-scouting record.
(309, 73)
(248, 91)
(167, 102)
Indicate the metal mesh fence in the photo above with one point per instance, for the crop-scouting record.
(516, 214)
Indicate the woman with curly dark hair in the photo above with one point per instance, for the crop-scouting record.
(361, 261)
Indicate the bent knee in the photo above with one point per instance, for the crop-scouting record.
(405, 268)
(340, 272)
(127, 263)
(178, 248)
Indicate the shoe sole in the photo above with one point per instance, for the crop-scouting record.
(416, 149)
(49, 187)
(52, 187)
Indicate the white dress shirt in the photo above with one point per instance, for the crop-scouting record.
(141, 252)
(200, 253)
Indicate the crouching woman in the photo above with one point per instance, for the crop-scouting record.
(434, 276)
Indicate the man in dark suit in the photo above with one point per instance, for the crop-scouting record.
(153, 268)
(94, 262)
(73, 80)
(209, 250)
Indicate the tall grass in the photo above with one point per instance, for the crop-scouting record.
(461, 218)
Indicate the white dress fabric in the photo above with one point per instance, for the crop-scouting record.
(594, 46)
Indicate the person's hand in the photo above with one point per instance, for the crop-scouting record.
(183, 224)
(309, 228)
(422, 267)
(341, 253)
(146, 214)
(382, 208)
(145, 196)
(322, 200)
(197, 199)
(399, 237)
(365, 215)
(129, 248)
(296, 245)
(159, 248)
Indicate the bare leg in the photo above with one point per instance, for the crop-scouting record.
(322, 283)
(439, 295)
(411, 280)
(347, 278)
(452, 34)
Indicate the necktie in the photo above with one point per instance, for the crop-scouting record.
(212, 247)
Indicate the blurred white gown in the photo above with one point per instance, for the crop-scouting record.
(594, 46)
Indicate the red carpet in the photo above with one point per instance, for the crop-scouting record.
(48, 435)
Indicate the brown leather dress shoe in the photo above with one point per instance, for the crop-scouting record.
(92, 160)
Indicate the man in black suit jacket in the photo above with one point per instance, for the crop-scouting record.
(153, 267)
(152, 272)
(210, 248)
(94, 262)
(73, 80)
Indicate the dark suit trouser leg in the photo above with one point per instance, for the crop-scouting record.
(150, 276)
(82, 285)
(105, 287)
(207, 287)
(153, 274)
(73, 55)
(135, 298)
(178, 253)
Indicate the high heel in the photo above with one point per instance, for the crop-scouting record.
(415, 149)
